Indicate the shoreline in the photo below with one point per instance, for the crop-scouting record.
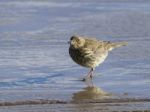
(109, 105)
(101, 101)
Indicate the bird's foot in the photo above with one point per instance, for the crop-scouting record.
(84, 79)
(87, 78)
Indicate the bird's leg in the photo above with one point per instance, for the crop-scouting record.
(89, 75)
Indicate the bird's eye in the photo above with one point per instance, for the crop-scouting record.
(71, 38)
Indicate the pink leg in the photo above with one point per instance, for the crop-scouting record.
(89, 75)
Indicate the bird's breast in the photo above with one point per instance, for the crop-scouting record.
(86, 59)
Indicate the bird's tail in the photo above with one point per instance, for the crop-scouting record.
(111, 46)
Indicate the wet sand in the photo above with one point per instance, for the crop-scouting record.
(90, 99)
(109, 105)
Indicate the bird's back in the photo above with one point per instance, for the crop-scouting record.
(93, 53)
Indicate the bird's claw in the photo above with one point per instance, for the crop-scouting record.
(87, 78)
(84, 79)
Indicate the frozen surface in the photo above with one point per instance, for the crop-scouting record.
(34, 60)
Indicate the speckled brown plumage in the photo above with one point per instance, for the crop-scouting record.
(90, 52)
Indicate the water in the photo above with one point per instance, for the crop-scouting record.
(34, 59)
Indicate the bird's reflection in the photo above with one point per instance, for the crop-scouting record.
(90, 92)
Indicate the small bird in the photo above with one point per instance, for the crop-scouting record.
(90, 52)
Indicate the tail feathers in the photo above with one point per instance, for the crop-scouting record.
(116, 45)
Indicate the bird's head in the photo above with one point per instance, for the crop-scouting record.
(76, 42)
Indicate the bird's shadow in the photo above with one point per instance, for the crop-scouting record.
(90, 92)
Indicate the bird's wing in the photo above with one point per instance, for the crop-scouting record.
(101, 49)
(91, 44)
(93, 47)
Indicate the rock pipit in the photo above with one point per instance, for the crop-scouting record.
(90, 52)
